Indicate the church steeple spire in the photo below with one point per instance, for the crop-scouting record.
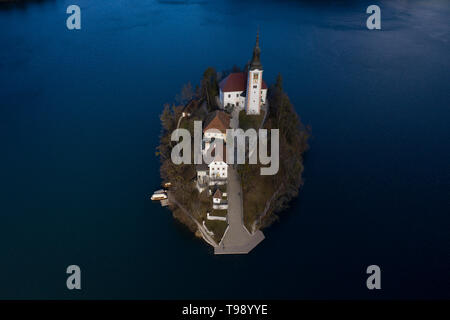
(256, 62)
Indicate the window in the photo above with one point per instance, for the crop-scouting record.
(229, 96)
(255, 76)
(237, 95)
(255, 86)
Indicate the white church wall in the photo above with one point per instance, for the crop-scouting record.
(232, 98)
(263, 95)
(218, 169)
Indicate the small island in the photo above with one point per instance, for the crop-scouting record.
(228, 203)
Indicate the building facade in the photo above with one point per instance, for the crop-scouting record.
(245, 89)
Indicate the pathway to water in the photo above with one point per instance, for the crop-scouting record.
(236, 239)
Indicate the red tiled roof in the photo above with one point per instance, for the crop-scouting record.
(233, 82)
(220, 121)
(263, 85)
(217, 194)
(236, 82)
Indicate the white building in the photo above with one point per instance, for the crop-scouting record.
(218, 168)
(216, 171)
(231, 90)
(202, 173)
(216, 126)
(219, 202)
(245, 89)
(213, 173)
(217, 197)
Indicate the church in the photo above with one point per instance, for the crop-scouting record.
(245, 90)
(241, 91)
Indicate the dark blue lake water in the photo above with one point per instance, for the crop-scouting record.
(79, 126)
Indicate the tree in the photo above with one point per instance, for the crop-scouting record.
(209, 86)
(236, 69)
(279, 82)
(197, 91)
(187, 93)
(166, 118)
(293, 143)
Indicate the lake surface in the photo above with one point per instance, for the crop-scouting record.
(79, 126)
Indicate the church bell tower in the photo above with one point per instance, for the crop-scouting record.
(254, 81)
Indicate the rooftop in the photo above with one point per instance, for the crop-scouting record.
(218, 120)
(236, 81)
(217, 194)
